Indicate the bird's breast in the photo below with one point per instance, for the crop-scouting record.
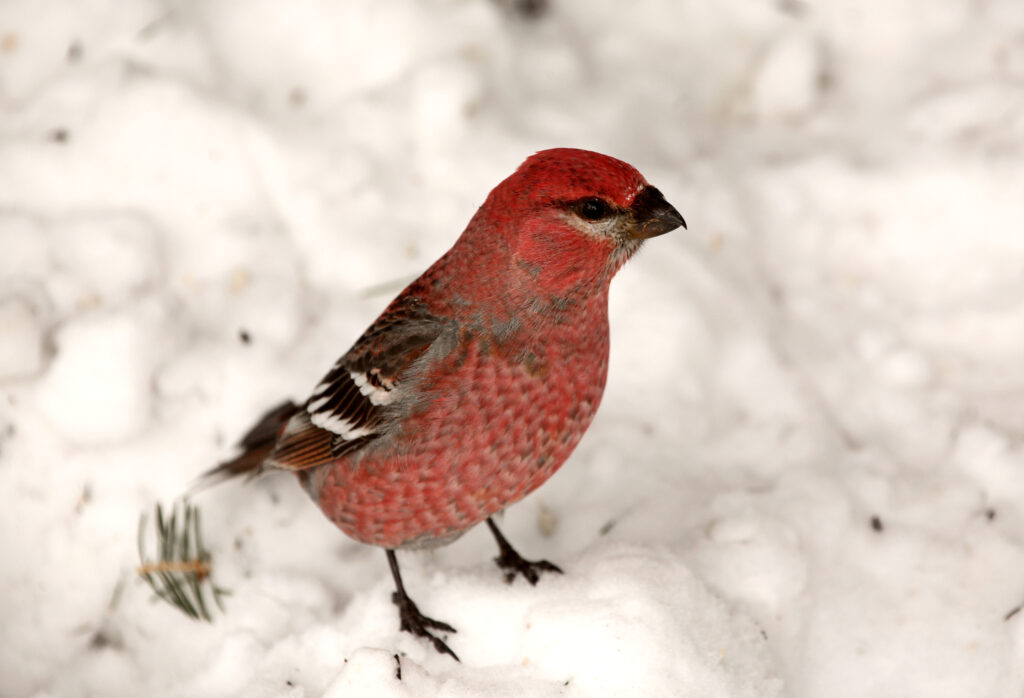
(493, 420)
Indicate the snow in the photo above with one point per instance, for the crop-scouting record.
(786, 83)
(21, 347)
(807, 475)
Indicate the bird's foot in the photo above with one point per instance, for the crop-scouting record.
(420, 625)
(512, 563)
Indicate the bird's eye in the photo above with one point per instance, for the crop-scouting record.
(593, 209)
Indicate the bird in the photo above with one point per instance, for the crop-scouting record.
(478, 380)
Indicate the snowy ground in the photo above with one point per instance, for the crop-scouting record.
(807, 477)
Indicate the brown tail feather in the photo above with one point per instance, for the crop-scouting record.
(256, 445)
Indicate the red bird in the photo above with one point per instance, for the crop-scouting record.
(477, 382)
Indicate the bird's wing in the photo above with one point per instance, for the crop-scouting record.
(347, 407)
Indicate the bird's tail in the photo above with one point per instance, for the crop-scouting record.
(256, 445)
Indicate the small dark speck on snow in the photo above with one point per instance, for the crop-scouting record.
(531, 9)
(297, 97)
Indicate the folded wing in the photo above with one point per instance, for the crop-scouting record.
(349, 406)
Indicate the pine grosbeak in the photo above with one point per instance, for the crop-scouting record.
(478, 380)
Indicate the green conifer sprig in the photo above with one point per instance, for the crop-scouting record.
(181, 572)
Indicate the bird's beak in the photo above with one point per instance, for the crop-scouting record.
(653, 215)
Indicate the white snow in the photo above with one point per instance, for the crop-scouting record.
(21, 345)
(786, 83)
(807, 475)
(96, 390)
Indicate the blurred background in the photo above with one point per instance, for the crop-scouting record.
(816, 396)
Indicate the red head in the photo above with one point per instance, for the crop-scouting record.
(573, 216)
(561, 225)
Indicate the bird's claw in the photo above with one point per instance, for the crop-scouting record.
(513, 563)
(415, 623)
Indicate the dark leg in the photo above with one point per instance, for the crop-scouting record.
(412, 620)
(513, 563)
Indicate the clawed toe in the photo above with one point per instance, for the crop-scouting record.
(415, 623)
(530, 569)
(513, 563)
(412, 621)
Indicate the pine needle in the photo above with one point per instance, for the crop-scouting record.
(181, 574)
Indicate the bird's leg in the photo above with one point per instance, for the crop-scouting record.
(412, 620)
(513, 563)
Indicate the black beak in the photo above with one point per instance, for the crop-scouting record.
(653, 215)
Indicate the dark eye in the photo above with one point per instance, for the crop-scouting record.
(593, 209)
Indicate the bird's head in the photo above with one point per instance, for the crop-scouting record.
(572, 217)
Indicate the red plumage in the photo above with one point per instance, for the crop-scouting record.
(478, 381)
